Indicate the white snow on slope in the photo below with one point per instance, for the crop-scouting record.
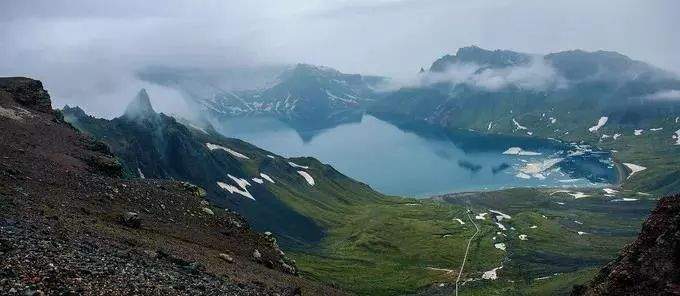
(141, 175)
(258, 180)
(481, 216)
(625, 199)
(500, 246)
(500, 216)
(638, 132)
(459, 221)
(501, 226)
(519, 126)
(232, 152)
(295, 165)
(267, 177)
(656, 129)
(609, 191)
(307, 177)
(600, 123)
(616, 136)
(574, 194)
(491, 274)
(523, 237)
(539, 167)
(243, 183)
(520, 151)
(676, 136)
(233, 189)
(634, 168)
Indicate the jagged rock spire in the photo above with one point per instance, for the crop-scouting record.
(140, 106)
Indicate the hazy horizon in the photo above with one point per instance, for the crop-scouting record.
(86, 52)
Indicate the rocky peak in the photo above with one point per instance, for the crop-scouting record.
(75, 112)
(140, 107)
(27, 92)
(476, 55)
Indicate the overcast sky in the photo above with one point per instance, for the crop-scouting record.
(85, 51)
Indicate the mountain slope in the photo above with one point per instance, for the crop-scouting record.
(260, 185)
(85, 230)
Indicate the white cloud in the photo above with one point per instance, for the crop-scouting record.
(665, 95)
(536, 75)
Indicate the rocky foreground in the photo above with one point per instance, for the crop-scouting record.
(648, 266)
(71, 225)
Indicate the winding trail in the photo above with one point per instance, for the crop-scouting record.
(467, 250)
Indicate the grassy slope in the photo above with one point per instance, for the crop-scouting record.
(377, 245)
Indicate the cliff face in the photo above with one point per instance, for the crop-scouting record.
(648, 266)
(70, 225)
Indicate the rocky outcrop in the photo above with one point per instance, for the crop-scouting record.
(648, 266)
(27, 92)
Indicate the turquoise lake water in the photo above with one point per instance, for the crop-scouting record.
(418, 160)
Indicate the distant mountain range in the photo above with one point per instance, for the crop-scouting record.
(315, 95)
(477, 88)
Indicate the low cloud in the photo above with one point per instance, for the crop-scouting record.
(665, 95)
(536, 75)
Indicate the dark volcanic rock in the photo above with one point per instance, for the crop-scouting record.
(648, 266)
(131, 219)
(27, 92)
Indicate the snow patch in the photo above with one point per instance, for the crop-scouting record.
(539, 167)
(638, 132)
(295, 165)
(519, 126)
(676, 136)
(634, 168)
(232, 152)
(523, 237)
(600, 123)
(141, 175)
(258, 180)
(500, 216)
(266, 177)
(520, 151)
(491, 274)
(481, 216)
(307, 177)
(459, 221)
(500, 246)
(609, 191)
(233, 189)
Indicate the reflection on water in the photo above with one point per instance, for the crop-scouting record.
(419, 160)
